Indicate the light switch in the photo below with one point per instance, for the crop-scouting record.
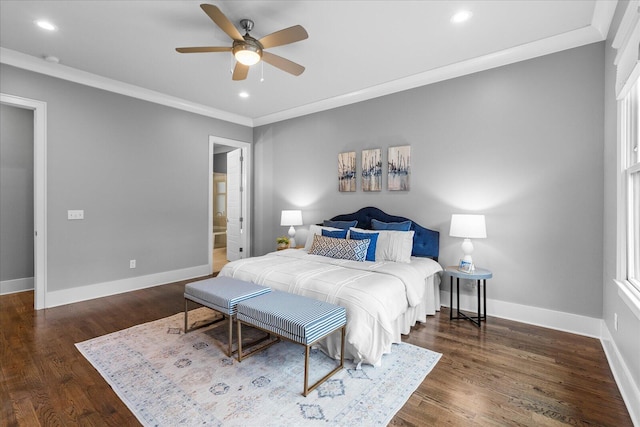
(75, 214)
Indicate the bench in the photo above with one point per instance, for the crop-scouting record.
(221, 294)
(296, 318)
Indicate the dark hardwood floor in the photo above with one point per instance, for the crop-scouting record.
(505, 373)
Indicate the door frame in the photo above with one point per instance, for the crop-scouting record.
(246, 193)
(39, 109)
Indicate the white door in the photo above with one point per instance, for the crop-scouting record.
(235, 211)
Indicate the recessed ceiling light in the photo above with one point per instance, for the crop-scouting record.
(46, 25)
(243, 94)
(462, 16)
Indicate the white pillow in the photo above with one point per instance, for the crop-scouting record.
(313, 230)
(392, 245)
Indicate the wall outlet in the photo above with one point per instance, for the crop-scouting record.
(132, 263)
(75, 214)
(615, 321)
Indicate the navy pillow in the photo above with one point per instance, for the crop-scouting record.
(371, 251)
(345, 225)
(397, 226)
(337, 234)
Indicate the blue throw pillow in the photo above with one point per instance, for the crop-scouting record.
(345, 225)
(337, 234)
(397, 226)
(371, 251)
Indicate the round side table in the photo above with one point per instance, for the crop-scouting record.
(479, 274)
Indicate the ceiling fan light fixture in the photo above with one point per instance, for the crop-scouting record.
(247, 57)
(247, 53)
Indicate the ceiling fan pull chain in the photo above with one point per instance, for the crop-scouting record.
(261, 71)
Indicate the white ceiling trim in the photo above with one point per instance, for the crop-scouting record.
(37, 65)
(569, 40)
(596, 32)
(603, 15)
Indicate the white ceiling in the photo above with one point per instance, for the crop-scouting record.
(356, 49)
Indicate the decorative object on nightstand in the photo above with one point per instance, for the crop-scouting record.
(468, 227)
(479, 274)
(283, 242)
(291, 218)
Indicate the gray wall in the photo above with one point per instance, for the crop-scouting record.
(140, 172)
(521, 144)
(16, 193)
(626, 337)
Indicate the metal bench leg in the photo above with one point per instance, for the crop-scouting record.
(186, 314)
(267, 337)
(230, 352)
(239, 340)
(308, 389)
(186, 317)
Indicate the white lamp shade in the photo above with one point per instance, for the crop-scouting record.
(468, 226)
(291, 217)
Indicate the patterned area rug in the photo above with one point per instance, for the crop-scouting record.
(167, 378)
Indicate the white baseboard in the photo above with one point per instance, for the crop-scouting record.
(567, 322)
(628, 388)
(99, 290)
(16, 285)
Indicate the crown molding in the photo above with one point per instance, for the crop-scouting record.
(569, 40)
(603, 15)
(37, 65)
(597, 31)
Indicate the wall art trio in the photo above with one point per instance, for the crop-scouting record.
(398, 169)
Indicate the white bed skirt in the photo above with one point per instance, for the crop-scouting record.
(403, 324)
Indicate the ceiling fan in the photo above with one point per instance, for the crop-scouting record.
(248, 50)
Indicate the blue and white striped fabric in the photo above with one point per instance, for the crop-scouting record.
(298, 318)
(223, 293)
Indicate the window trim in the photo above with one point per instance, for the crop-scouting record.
(628, 126)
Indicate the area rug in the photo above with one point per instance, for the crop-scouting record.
(168, 378)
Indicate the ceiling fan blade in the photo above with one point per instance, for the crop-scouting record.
(240, 71)
(286, 36)
(221, 21)
(203, 49)
(282, 63)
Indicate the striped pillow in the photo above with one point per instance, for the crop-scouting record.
(354, 250)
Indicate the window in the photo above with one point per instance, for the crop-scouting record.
(630, 162)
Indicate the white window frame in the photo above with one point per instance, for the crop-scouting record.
(627, 62)
(630, 169)
(627, 278)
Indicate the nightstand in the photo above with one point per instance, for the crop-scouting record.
(479, 274)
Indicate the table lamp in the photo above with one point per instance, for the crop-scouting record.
(468, 227)
(291, 218)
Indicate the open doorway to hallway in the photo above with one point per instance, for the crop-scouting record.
(38, 231)
(229, 201)
(219, 212)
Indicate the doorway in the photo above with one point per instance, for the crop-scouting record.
(39, 109)
(229, 184)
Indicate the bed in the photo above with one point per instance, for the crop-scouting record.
(383, 298)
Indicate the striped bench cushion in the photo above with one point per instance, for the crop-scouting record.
(223, 293)
(298, 318)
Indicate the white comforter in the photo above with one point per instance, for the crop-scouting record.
(375, 294)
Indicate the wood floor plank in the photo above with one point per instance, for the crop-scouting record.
(503, 373)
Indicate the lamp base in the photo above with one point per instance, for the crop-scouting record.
(467, 248)
(292, 234)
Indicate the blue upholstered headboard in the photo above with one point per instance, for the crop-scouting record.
(426, 243)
